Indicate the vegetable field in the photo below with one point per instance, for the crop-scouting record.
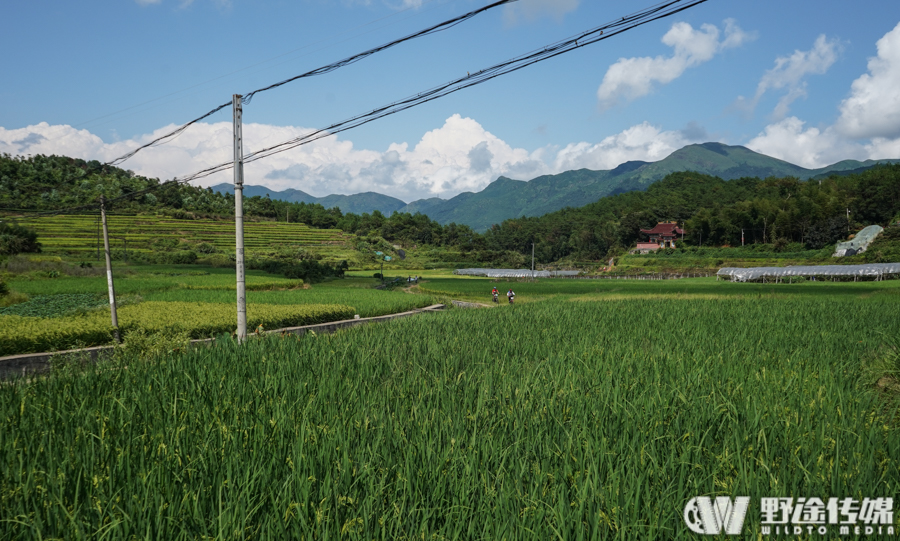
(566, 419)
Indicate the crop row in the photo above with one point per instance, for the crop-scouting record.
(144, 283)
(76, 232)
(30, 334)
(480, 288)
(150, 232)
(90, 222)
(366, 302)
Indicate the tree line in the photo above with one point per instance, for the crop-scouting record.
(713, 212)
(48, 183)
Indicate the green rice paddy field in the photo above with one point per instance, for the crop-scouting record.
(589, 411)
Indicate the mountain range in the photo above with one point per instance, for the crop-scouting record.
(507, 198)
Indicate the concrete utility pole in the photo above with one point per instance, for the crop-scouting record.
(109, 278)
(239, 220)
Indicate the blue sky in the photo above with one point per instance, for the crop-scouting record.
(809, 82)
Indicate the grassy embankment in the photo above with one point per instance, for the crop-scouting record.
(573, 418)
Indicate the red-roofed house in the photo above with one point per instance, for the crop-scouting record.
(661, 236)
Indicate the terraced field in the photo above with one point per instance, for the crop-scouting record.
(80, 234)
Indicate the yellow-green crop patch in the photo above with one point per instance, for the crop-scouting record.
(196, 319)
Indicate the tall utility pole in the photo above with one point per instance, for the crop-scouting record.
(109, 278)
(239, 220)
(848, 220)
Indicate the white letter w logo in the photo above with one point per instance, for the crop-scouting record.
(704, 516)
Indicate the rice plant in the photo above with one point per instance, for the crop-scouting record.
(555, 420)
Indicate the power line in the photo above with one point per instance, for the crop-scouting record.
(588, 37)
(245, 68)
(594, 35)
(450, 23)
(266, 61)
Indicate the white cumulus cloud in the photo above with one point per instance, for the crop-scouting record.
(458, 156)
(631, 78)
(812, 147)
(873, 107)
(643, 142)
(869, 122)
(790, 72)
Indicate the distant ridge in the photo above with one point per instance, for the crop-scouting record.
(360, 203)
(507, 198)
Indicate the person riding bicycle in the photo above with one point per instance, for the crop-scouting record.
(511, 295)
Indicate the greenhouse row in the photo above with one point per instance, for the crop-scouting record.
(513, 273)
(876, 271)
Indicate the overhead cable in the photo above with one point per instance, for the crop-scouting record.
(450, 23)
(589, 37)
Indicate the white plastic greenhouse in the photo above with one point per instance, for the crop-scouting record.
(513, 273)
(877, 271)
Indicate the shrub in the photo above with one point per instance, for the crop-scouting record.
(206, 248)
(220, 260)
(183, 257)
(16, 239)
